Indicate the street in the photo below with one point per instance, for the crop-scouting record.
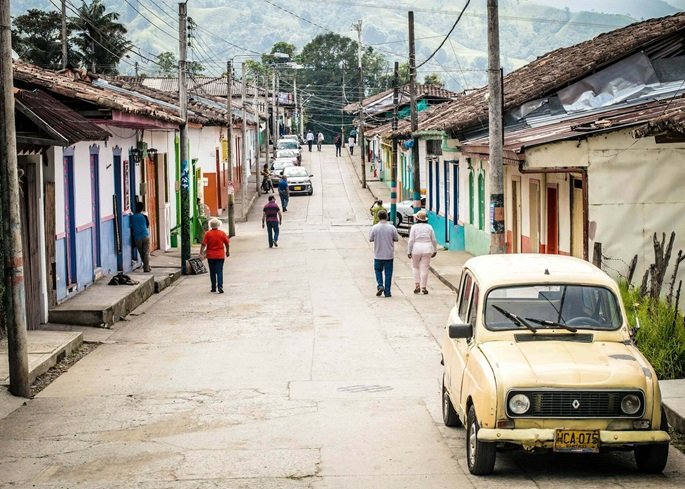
(298, 376)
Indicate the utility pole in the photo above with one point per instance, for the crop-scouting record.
(497, 242)
(416, 180)
(274, 113)
(229, 147)
(362, 151)
(243, 139)
(255, 110)
(301, 112)
(183, 104)
(12, 253)
(65, 59)
(299, 116)
(393, 168)
(136, 68)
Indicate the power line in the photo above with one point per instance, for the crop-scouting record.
(446, 37)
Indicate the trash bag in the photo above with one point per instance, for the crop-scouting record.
(197, 265)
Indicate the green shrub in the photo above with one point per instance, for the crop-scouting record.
(661, 336)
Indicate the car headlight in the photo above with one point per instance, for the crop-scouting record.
(630, 404)
(519, 404)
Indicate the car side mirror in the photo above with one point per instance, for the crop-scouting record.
(310, 176)
(460, 331)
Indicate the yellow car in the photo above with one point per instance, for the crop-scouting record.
(538, 354)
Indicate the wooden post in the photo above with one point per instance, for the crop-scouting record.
(11, 220)
(597, 255)
(229, 147)
(631, 270)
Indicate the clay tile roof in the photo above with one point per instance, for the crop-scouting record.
(69, 124)
(554, 70)
(422, 91)
(67, 86)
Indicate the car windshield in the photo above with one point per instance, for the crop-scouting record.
(296, 171)
(287, 144)
(286, 153)
(561, 306)
(281, 164)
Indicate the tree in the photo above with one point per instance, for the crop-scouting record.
(167, 64)
(101, 39)
(433, 79)
(36, 37)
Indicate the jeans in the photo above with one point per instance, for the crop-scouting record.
(309, 143)
(318, 145)
(338, 150)
(216, 272)
(351, 150)
(420, 263)
(143, 247)
(383, 267)
(284, 199)
(272, 231)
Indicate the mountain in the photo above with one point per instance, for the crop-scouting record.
(528, 28)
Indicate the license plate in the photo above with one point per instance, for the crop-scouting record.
(576, 441)
(297, 188)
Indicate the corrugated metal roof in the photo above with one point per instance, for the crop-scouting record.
(422, 91)
(58, 117)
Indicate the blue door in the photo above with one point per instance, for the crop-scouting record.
(70, 220)
(95, 199)
(118, 212)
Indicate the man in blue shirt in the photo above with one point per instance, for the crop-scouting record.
(284, 192)
(141, 235)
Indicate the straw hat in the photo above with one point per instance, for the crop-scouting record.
(421, 216)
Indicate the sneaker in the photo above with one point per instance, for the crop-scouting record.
(221, 291)
(213, 290)
(275, 244)
(425, 291)
(417, 290)
(379, 291)
(388, 295)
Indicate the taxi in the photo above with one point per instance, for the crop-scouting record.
(538, 355)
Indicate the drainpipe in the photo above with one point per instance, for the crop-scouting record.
(586, 205)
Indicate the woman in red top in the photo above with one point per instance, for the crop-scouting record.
(213, 245)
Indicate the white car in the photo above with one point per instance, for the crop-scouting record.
(405, 212)
(299, 180)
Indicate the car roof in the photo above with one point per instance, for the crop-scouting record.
(522, 268)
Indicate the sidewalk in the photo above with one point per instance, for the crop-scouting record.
(447, 265)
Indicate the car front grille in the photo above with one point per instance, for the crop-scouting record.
(571, 404)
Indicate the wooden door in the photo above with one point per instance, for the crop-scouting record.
(50, 262)
(516, 216)
(577, 217)
(534, 207)
(553, 220)
(151, 201)
(30, 240)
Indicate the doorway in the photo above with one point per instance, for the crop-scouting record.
(534, 206)
(70, 220)
(95, 200)
(516, 216)
(151, 200)
(30, 243)
(552, 220)
(577, 217)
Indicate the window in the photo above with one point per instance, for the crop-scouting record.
(481, 200)
(465, 294)
(431, 186)
(455, 192)
(437, 187)
(473, 309)
(472, 196)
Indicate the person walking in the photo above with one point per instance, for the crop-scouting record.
(284, 192)
(215, 247)
(310, 139)
(272, 217)
(141, 235)
(351, 142)
(383, 236)
(422, 247)
(375, 209)
(319, 141)
(338, 145)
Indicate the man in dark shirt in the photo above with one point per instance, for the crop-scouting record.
(141, 235)
(272, 217)
(284, 192)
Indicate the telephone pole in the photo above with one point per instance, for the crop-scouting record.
(393, 168)
(362, 153)
(255, 110)
(15, 314)
(65, 54)
(416, 180)
(229, 147)
(243, 139)
(274, 111)
(497, 242)
(183, 105)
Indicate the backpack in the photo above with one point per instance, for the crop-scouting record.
(121, 279)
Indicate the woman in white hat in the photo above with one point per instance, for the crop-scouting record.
(422, 247)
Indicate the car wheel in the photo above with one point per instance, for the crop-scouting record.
(651, 459)
(480, 456)
(449, 415)
(311, 192)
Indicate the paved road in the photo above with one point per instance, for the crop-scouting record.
(297, 377)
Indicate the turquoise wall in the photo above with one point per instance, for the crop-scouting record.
(477, 241)
(456, 232)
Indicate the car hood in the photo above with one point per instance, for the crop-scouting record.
(554, 363)
(292, 180)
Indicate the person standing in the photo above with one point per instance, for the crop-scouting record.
(421, 248)
(338, 145)
(375, 209)
(284, 192)
(215, 247)
(310, 139)
(319, 141)
(351, 142)
(141, 235)
(383, 236)
(272, 217)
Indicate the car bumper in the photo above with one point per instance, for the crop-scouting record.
(544, 438)
(303, 189)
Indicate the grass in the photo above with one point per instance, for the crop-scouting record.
(661, 333)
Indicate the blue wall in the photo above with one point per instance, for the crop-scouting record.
(108, 252)
(61, 268)
(456, 232)
(84, 258)
(126, 242)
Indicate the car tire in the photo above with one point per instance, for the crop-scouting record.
(449, 415)
(311, 192)
(480, 456)
(651, 459)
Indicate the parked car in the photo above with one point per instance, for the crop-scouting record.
(405, 212)
(294, 137)
(289, 144)
(278, 166)
(288, 153)
(299, 180)
(537, 355)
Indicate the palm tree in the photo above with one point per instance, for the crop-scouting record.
(100, 38)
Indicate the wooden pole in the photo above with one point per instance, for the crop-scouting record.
(183, 104)
(497, 241)
(243, 138)
(416, 166)
(11, 220)
(393, 168)
(229, 147)
(65, 54)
